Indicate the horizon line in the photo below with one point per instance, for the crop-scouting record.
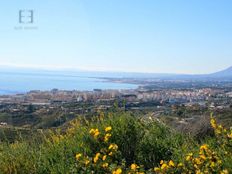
(100, 70)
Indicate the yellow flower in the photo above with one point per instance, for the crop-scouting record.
(92, 131)
(118, 171)
(104, 157)
(78, 156)
(107, 129)
(212, 165)
(171, 163)
(204, 147)
(189, 157)
(111, 153)
(134, 166)
(87, 162)
(164, 166)
(156, 169)
(203, 157)
(96, 157)
(218, 131)
(224, 172)
(107, 136)
(230, 135)
(213, 122)
(161, 162)
(105, 165)
(96, 133)
(113, 147)
(180, 165)
(198, 161)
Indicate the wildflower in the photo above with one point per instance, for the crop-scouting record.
(171, 163)
(213, 123)
(212, 165)
(218, 131)
(189, 157)
(111, 153)
(204, 147)
(134, 166)
(164, 166)
(107, 136)
(161, 162)
(104, 157)
(70, 131)
(92, 131)
(96, 157)
(220, 127)
(156, 169)
(198, 161)
(107, 129)
(202, 157)
(230, 135)
(180, 165)
(78, 156)
(224, 172)
(113, 147)
(87, 162)
(118, 171)
(96, 133)
(105, 165)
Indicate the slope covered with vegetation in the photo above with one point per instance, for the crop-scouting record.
(118, 143)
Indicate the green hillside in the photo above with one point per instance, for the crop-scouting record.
(118, 143)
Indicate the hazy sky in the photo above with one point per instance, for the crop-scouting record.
(178, 36)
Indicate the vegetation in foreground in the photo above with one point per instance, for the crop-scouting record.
(119, 143)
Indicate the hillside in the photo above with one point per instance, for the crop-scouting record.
(119, 143)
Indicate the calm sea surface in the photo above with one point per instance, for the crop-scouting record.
(12, 83)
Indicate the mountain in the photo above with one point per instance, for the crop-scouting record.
(224, 73)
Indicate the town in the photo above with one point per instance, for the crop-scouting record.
(44, 109)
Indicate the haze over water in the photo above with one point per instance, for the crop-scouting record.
(13, 83)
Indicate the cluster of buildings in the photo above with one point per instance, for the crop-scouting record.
(138, 95)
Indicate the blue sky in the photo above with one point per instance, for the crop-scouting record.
(172, 36)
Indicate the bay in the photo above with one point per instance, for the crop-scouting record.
(13, 83)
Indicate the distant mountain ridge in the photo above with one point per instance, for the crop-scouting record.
(224, 73)
(220, 75)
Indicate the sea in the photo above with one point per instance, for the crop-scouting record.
(12, 82)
